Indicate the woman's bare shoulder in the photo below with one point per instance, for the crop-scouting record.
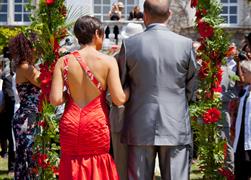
(23, 66)
(107, 59)
(62, 60)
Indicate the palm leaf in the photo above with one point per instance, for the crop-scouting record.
(74, 14)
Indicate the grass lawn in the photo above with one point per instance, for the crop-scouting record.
(4, 169)
(195, 174)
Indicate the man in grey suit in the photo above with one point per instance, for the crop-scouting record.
(159, 67)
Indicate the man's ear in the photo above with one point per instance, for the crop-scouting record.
(145, 18)
(170, 14)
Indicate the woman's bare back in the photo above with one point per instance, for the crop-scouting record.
(81, 88)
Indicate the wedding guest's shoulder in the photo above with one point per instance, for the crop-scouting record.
(109, 60)
(61, 61)
(181, 38)
(106, 58)
(25, 67)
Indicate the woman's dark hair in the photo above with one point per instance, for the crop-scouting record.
(248, 37)
(21, 49)
(85, 28)
(244, 47)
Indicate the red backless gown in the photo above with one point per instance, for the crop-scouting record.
(85, 137)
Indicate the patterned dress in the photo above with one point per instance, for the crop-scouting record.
(24, 126)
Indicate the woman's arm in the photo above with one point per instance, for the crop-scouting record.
(119, 96)
(31, 74)
(57, 86)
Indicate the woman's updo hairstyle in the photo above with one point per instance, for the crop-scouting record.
(85, 28)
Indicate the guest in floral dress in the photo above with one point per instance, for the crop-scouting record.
(28, 89)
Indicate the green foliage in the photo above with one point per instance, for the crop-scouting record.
(48, 22)
(6, 34)
(212, 54)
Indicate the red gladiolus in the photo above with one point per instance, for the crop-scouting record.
(209, 95)
(217, 89)
(55, 170)
(200, 13)
(194, 3)
(211, 116)
(213, 55)
(227, 173)
(204, 69)
(216, 86)
(41, 123)
(50, 2)
(205, 30)
(34, 170)
(231, 51)
(56, 47)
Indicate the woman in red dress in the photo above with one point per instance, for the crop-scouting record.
(84, 126)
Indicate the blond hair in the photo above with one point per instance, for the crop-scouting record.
(246, 65)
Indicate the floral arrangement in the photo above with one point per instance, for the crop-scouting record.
(48, 22)
(206, 112)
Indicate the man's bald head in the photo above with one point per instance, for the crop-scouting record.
(158, 10)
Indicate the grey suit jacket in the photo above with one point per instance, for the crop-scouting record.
(159, 67)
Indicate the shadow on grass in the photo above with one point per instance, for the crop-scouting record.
(2, 172)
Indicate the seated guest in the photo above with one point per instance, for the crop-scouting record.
(115, 13)
(136, 14)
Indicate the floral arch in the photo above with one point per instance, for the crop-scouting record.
(48, 22)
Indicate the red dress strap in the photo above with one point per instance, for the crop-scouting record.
(87, 70)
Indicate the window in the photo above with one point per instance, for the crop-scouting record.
(14, 13)
(20, 12)
(102, 8)
(3, 11)
(230, 11)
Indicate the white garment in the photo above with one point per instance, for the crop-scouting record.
(1, 95)
(247, 120)
(14, 89)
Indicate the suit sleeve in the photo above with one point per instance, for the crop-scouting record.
(191, 78)
(122, 65)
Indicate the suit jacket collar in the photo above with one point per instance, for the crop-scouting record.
(155, 26)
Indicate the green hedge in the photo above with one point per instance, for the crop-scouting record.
(6, 33)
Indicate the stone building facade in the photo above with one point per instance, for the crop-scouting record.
(237, 14)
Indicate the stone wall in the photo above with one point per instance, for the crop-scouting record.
(236, 35)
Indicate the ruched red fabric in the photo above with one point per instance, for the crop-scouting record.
(85, 142)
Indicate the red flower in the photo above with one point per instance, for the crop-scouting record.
(194, 3)
(41, 123)
(42, 161)
(50, 2)
(231, 51)
(200, 13)
(204, 69)
(217, 89)
(209, 95)
(227, 173)
(34, 170)
(55, 170)
(211, 116)
(205, 30)
(214, 55)
(216, 86)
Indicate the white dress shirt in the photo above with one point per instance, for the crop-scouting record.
(247, 121)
